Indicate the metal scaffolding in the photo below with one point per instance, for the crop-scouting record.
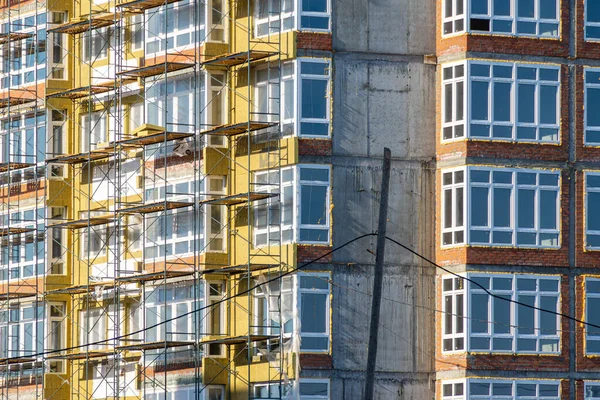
(146, 179)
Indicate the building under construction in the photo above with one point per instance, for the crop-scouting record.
(179, 180)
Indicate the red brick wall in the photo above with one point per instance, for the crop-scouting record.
(315, 361)
(307, 253)
(314, 41)
(314, 147)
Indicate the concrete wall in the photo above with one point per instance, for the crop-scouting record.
(383, 96)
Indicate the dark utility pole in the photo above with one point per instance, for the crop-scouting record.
(378, 278)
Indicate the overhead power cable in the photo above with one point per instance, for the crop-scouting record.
(291, 271)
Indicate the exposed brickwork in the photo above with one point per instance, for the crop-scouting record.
(306, 253)
(314, 41)
(481, 361)
(314, 147)
(315, 361)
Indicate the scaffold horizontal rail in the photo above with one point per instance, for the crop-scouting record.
(14, 36)
(156, 69)
(239, 269)
(77, 26)
(5, 167)
(80, 289)
(154, 276)
(238, 128)
(83, 223)
(81, 355)
(235, 59)
(238, 199)
(154, 345)
(237, 339)
(14, 231)
(139, 6)
(155, 207)
(153, 138)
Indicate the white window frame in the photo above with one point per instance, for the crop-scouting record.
(314, 397)
(515, 191)
(298, 327)
(93, 328)
(595, 25)
(170, 331)
(514, 294)
(273, 18)
(454, 18)
(160, 39)
(588, 385)
(453, 230)
(455, 124)
(153, 224)
(512, 18)
(588, 108)
(469, 289)
(271, 97)
(15, 77)
(300, 77)
(456, 387)
(274, 180)
(297, 187)
(468, 122)
(158, 97)
(454, 315)
(205, 393)
(589, 208)
(295, 13)
(591, 337)
(93, 130)
(514, 395)
(95, 44)
(23, 268)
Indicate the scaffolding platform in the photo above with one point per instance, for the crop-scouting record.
(238, 199)
(155, 69)
(81, 289)
(81, 355)
(154, 276)
(77, 26)
(139, 6)
(17, 295)
(15, 101)
(14, 231)
(229, 341)
(83, 223)
(5, 167)
(16, 360)
(155, 207)
(80, 158)
(153, 138)
(154, 345)
(239, 269)
(89, 90)
(14, 36)
(239, 128)
(235, 59)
